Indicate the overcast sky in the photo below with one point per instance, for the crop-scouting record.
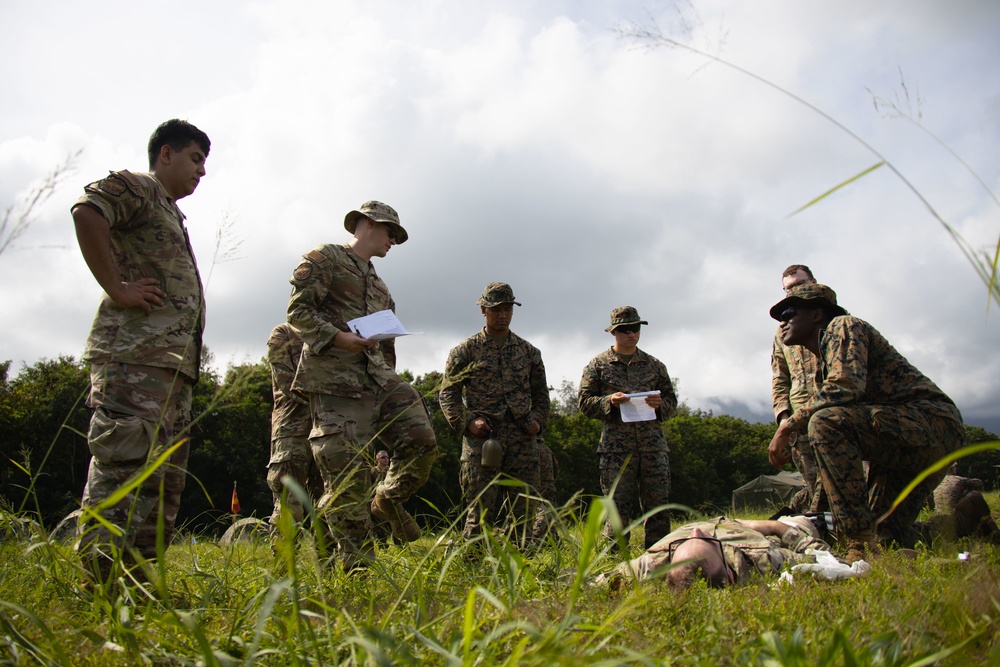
(528, 142)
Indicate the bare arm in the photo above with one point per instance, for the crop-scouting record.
(93, 233)
(765, 527)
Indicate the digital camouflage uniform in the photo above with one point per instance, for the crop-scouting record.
(503, 381)
(747, 552)
(354, 397)
(793, 382)
(646, 478)
(291, 453)
(142, 367)
(548, 473)
(873, 405)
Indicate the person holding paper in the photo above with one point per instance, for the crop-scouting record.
(506, 400)
(633, 453)
(354, 391)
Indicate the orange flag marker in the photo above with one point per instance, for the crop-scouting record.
(236, 501)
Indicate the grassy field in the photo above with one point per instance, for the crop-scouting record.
(431, 603)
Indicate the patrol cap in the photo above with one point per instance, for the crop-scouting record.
(624, 315)
(379, 212)
(810, 296)
(495, 294)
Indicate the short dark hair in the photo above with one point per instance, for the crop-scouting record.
(793, 269)
(177, 134)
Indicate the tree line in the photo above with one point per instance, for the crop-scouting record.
(44, 454)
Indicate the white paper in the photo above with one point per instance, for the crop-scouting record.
(379, 326)
(638, 410)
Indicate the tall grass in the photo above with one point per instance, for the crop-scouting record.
(447, 601)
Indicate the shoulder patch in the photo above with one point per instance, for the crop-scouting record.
(303, 271)
(112, 185)
(316, 256)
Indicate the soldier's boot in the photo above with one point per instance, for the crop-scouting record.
(859, 546)
(403, 526)
(972, 517)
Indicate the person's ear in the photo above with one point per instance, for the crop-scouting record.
(166, 154)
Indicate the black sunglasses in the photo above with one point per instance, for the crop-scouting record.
(627, 329)
(787, 314)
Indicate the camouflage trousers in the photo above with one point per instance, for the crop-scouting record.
(811, 498)
(485, 499)
(644, 482)
(899, 442)
(292, 456)
(342, 430)
(138, 411)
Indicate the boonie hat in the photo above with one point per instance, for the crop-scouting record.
(624, 315)
(811, 296)
(379, 212)
(495, 294)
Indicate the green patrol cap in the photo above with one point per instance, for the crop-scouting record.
(624, 315)
(809, 296)
(495, 294)
(379, 212)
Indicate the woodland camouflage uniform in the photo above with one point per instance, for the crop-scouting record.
(793, 382)
(354, 395)
(503, 381)
(872, 405)
(291, 422)
(142, 367)
(635, 454)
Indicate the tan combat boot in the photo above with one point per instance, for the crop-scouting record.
(858, 546)
(402, 524)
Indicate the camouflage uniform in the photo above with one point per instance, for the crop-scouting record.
(142, 367)
(503, 381)
(646, 478)
(747, 552)
(354, 397)
(793, 382)
(548, 473)
(873, 405)
(290, 426)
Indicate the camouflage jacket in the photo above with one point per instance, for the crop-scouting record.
(859, 366)
(148, 240)
(748, 553)
(608, 373)
(332, 286)
(290, 416)
(501, 380)
(793, 376)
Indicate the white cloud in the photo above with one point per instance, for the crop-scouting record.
(530, 144)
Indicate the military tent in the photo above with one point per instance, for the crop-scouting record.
(768, 491)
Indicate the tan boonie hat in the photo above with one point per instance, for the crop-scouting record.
(495, 294)
(379, 212)
(810, 296)
(624, 315)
